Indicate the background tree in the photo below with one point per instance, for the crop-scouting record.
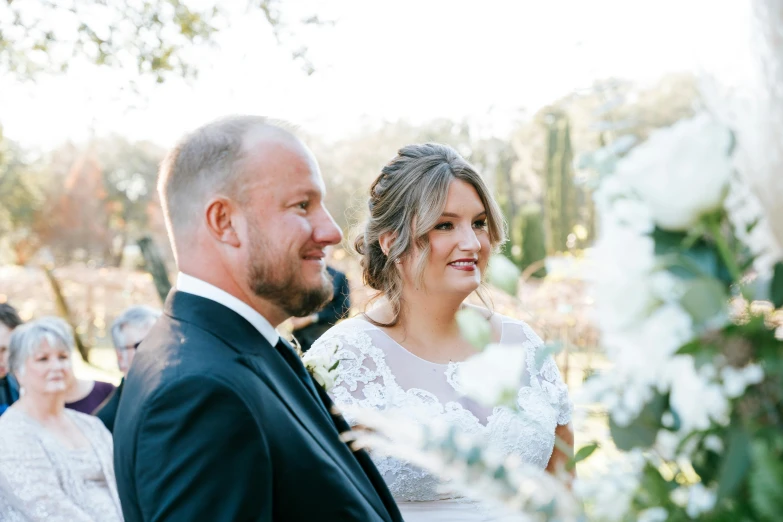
(155, 38)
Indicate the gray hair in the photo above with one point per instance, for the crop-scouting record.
(29, 337)
(133, 316)
(204, 163)
(407, 200)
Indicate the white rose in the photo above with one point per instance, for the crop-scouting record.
(681, 172)
(493, 376)
(323, 377)
(322, 366)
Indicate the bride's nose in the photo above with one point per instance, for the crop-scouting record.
(468, 241)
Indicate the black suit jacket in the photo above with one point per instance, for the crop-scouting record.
(335, 310)
(107, 411)
(214, 424)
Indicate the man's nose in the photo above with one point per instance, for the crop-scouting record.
(326, 231)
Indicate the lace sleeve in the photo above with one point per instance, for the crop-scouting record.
(544, 373)
(362, 376)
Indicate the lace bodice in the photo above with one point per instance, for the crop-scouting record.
(377, 372)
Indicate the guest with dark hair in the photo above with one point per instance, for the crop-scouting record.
(127, 332)
(309, 328)
(9, 388)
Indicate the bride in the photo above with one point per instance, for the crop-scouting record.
(425, 248)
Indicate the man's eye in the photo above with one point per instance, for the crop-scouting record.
(303, 205)
(443, 226)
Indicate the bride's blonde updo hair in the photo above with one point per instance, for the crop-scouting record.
(407, 200)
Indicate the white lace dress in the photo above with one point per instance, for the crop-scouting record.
(376, 372)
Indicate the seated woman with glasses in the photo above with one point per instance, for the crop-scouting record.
(58, 462)
(127, 332)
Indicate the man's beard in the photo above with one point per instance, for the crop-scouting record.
(278, 281)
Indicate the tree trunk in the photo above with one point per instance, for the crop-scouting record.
(65, 312)
(153, 263)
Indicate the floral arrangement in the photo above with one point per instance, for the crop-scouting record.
(694, 395)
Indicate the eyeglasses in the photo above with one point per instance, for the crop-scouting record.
(130, 347)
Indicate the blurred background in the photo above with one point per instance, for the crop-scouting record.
(92, 92)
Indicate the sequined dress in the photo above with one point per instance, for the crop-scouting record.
(55, 483)
(376, 372)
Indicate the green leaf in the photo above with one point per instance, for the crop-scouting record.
(766, 481)
(704, 299)
(504, 274)
(736, 462)
(474, 327)
(642, 431)
(690, 348)
(581, 455)
(776, 287)
(693, 257)
(551, 349)
(653, 489)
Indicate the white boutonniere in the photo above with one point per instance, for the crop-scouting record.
(322, 366)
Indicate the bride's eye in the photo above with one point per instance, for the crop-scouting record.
(481, 223)
(444, 226)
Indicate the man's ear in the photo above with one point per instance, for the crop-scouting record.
(386, 241)
(222, 219)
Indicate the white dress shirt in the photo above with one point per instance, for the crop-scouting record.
(195, 286)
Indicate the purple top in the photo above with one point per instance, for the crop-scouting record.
(95, 398)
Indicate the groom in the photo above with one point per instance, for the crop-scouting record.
(219, 419)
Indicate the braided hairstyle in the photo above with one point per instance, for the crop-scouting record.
(407, 200)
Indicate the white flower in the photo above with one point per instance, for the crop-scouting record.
(656, 514)
(713, 443)
(736, 380)
(666, 443)
(696, 399)
(322, 367)
(681, 172)
(700, 500)
(492, 376)
(610, 491)
(679, 496)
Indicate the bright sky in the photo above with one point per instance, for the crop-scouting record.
(410, 59)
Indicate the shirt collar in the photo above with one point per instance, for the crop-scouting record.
(195, 286)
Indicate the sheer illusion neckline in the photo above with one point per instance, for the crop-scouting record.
(410, 353)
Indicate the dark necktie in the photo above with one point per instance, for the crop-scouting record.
(296, 364)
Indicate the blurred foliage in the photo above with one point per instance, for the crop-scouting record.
(548, 172)
(80, 202)
(154, 38)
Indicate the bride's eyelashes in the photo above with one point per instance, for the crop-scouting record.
(446, 225)
(480, 224)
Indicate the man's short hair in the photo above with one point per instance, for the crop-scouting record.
(206, 162)
(133, 316)
(9, 316)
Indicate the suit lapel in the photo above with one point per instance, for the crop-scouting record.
(311, 413)
(269, 365)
